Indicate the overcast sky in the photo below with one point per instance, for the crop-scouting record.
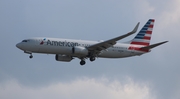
(155, 75)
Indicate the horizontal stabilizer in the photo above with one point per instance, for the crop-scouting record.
(153, 45)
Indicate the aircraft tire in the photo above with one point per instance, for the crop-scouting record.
(92, 59)
(30, 56)
(82, 62)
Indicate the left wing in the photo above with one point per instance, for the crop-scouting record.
(106, 44)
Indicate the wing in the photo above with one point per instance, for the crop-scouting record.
(106, 44)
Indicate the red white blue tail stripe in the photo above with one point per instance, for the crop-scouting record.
(144, 36)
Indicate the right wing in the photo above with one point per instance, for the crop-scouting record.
(106, 44)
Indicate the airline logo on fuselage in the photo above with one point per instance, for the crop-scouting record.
(42, 42)
(60, 43)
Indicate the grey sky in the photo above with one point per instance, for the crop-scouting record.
(153, 75)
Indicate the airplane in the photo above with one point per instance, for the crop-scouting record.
(67, 49)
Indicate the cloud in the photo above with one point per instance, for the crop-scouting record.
(171, 14)
(83, 88)
(167, 16)
(147, 7)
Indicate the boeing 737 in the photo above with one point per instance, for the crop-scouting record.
(67, 49)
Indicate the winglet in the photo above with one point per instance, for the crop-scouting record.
(136, 27)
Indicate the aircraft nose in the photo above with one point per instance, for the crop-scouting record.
(19, 45)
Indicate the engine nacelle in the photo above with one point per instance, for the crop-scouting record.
(63, 58)
(78, 50)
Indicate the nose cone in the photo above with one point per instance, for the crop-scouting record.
(19, 45)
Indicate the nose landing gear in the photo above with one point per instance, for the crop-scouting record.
(31, 56)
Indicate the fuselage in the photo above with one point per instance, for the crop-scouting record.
(64, 47)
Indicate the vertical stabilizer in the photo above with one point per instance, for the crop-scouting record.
(144, 36)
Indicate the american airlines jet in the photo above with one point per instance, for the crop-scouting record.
(67, 49)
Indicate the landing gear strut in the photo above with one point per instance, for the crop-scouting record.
(31, 56)
(82, 62)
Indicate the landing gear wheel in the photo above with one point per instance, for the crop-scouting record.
(30, 56)
(82, 62)
(92, 59)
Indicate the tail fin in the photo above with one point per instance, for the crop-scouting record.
(144, 35)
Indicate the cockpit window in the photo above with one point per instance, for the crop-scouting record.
(25, 40)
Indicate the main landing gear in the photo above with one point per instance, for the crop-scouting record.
(92, 58)
(82, 62)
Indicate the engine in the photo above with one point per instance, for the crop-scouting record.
(78, 50)
(63, 58)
